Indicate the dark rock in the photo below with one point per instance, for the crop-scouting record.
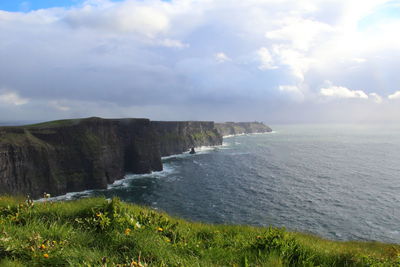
(177, 137)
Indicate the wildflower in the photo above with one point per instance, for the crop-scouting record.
(137, 225)
(127, 231)
(159, 229)
(136, 264)
(167, 239)
(98, 214)
(42, 246)
(45, 255)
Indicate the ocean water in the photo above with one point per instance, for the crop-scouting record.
(339, 181)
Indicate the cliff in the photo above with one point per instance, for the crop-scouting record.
(179, 136)
(234, 128)
(74, 155)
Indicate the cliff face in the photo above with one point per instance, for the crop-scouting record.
(179, 136)
(74, 155)
(234, 128)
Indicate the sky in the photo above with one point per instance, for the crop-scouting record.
(277, 61)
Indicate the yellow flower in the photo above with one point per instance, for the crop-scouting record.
(98, 214)
(167, 239)
(42, 246)
(160, 229)
(127, 231)
(45, 255)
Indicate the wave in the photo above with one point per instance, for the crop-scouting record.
(199, 150)
(68, 196)
(167, 170)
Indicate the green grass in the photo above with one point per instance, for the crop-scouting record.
(56, 123)
(98, 232)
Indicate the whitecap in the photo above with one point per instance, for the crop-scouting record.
(125, 182)
(68, 196)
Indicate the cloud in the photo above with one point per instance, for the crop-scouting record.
(297, 62)
(173, 43)
(294, 92)
(300, 33)
(12, 98)
(126, 17)
(265, 58)
(59, 106)
(359, 60)
(376, 98)
(342, 92)
(395, 95)
(162, 59)
(221, 57)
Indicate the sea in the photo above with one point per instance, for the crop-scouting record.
(341, 182)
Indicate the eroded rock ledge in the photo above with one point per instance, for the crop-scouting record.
(74, 155)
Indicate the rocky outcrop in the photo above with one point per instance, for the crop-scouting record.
(235, 128)
(180, 136)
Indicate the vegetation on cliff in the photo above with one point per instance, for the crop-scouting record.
(100, 232)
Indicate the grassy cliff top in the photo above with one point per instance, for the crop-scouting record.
(68, 122)
(100, 232)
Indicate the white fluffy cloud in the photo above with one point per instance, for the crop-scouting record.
(300, 34)
(145, 19)
(395, 95)
(342, 92)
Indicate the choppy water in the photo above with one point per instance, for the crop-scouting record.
(340, 182)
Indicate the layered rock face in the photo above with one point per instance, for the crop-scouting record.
(179, 136)
(234, 128)
(74, 155)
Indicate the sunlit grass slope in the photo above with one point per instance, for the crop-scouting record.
(100, 232)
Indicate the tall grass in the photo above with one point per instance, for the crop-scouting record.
(100, 232)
